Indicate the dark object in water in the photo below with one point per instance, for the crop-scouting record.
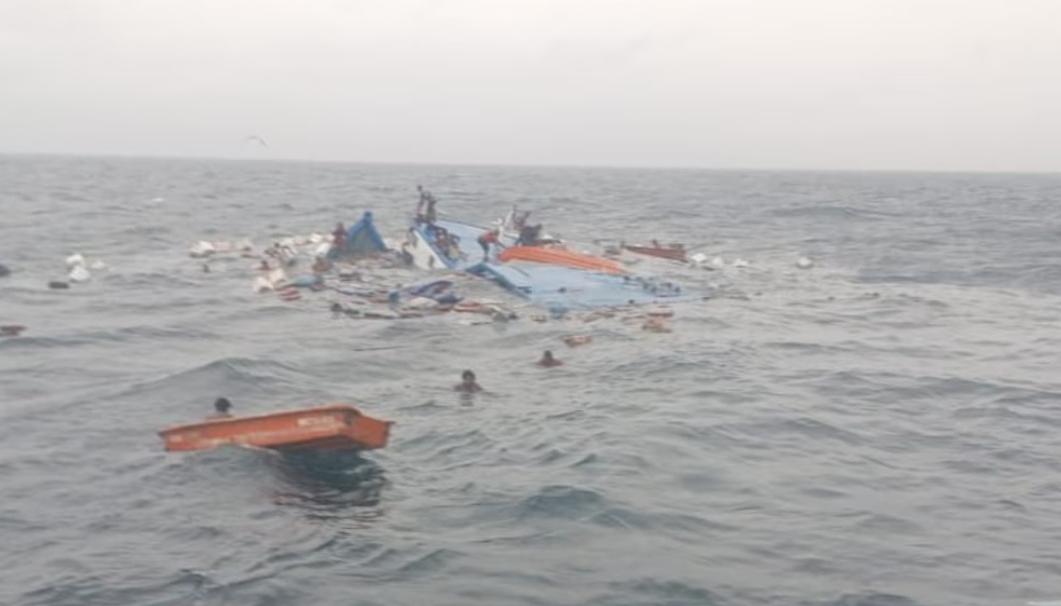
(58, 284)
(11, 330)
(4, 271)
(674, 252)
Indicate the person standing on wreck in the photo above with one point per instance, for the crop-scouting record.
(486, 239)
(425, 207)
(529, 235)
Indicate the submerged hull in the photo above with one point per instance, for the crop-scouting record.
(583, 282)
(562, 257)
(334, 427)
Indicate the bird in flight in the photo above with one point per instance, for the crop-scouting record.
(256, 139)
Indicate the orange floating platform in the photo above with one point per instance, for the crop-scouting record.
(332, 427)
(560, 256)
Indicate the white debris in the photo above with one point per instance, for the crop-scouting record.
(201, 249)
(740, 263)
(79, 274)
(718, 263)
(262, 284)
(97, 265)
(75, 260)
(276, 276)
(804, 263)
(322, 249)
(698, 259)
(421, 303)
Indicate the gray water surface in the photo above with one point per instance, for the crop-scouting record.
(880, 429)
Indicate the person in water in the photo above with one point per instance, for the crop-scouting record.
(548, 361)
(221, 409)
(321, 265)
(339, 237)
(467, 384)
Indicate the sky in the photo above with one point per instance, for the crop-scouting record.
(761, 84)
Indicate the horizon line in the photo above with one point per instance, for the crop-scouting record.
(129, 156)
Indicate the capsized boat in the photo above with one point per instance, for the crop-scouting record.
(557, 288)
(674, 252)
(452, 246)
(331, 427)
(560, 256)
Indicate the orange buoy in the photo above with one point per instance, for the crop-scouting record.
(331, 427)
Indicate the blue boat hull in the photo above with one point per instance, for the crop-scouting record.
(433, 247)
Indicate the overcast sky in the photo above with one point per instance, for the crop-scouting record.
(844, 84)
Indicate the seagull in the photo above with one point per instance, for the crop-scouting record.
(257, 139)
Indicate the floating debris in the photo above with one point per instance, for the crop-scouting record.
(577, 340)
(656, 325)
(79, 274)
(11, 330)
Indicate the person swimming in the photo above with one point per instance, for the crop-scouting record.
(321, 265)
(221, 407)
(339, 238)
(467, 384)
(548, 361)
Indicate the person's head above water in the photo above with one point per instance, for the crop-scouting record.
(467, 384)
(548, 360)
(222, 405)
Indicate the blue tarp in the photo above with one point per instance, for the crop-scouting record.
(361, 239)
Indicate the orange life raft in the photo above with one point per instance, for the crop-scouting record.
(332, 427)
(560, 256)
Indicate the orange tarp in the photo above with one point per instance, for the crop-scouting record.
(559, 256)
